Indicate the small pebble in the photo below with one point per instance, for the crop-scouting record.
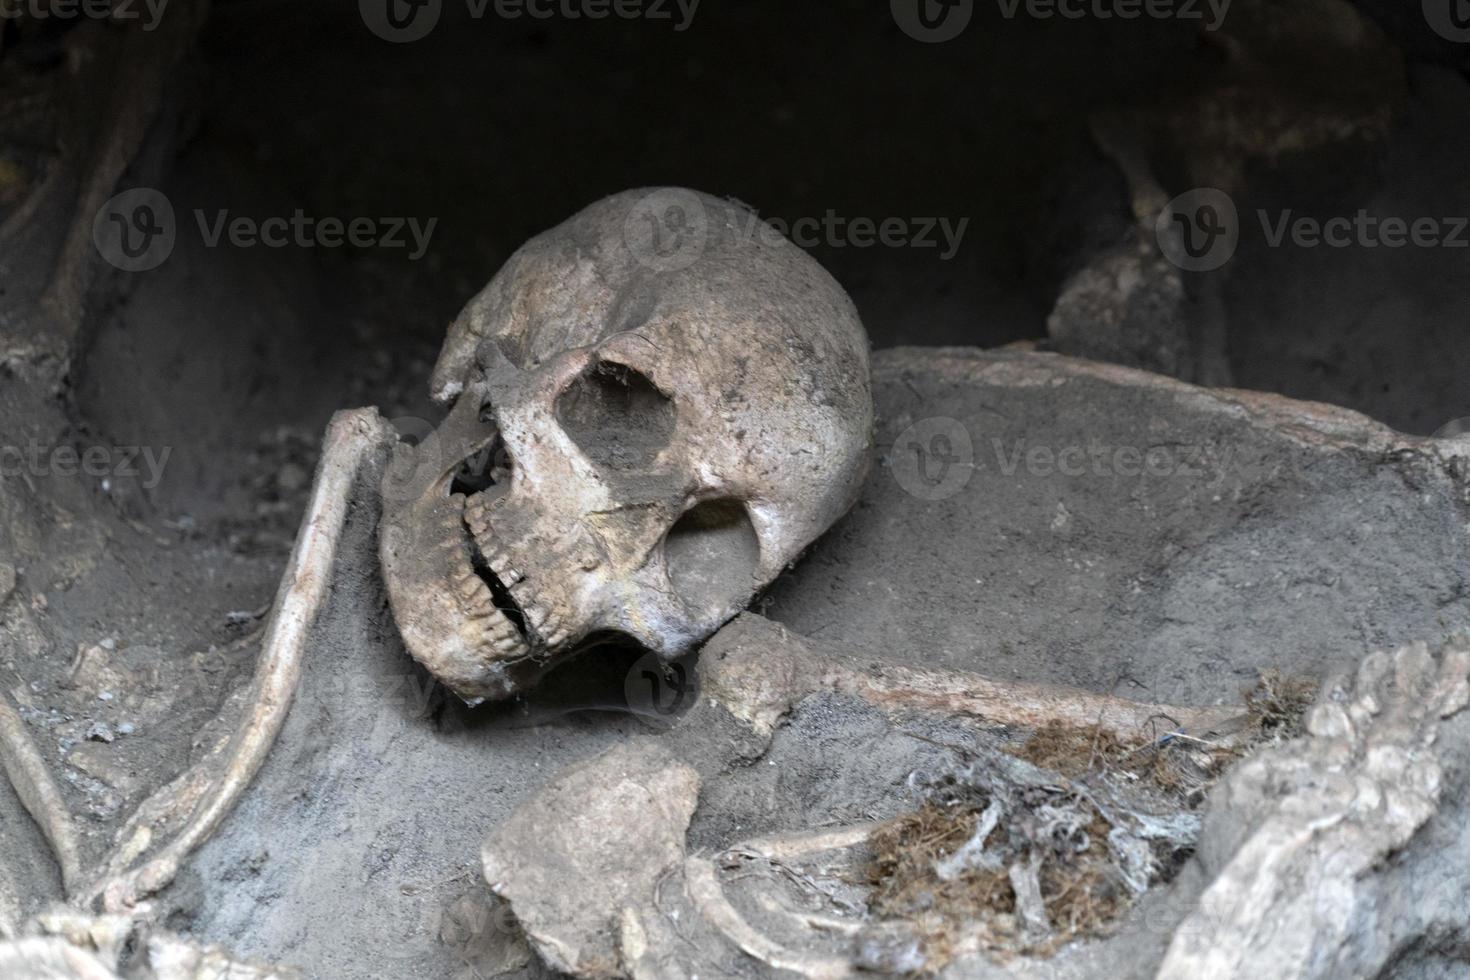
(98, 732)
(108, 643)
(105, 696)
(126, 728)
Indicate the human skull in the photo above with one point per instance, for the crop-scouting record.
(653, 408)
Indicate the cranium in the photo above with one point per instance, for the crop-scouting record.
(652, 409)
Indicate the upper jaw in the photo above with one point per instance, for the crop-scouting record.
(445, 611)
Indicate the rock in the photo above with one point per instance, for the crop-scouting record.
(1343, 853)
(620, 822)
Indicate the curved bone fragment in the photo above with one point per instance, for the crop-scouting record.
(709, 898)
(351, 437)
(38, 792)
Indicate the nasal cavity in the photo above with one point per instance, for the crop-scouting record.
(713, 556)
(616, 416)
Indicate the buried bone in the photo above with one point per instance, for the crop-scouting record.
(630, 449)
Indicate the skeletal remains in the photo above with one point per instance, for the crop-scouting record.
(637, 441)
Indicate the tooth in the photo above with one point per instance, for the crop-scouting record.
(557, 639)
(469, 586)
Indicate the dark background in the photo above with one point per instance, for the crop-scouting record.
(501, 128)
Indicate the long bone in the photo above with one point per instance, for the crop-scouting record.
(210, 790)
(759, 670)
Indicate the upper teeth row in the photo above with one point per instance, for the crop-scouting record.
(540, 617)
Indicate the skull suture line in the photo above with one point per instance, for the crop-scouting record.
(665, 433)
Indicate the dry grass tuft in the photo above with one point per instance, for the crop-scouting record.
(1049, 821)
(1277, 705)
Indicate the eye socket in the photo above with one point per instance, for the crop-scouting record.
(712, 554)
(616, 416)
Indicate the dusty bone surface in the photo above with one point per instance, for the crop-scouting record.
(663, 434)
